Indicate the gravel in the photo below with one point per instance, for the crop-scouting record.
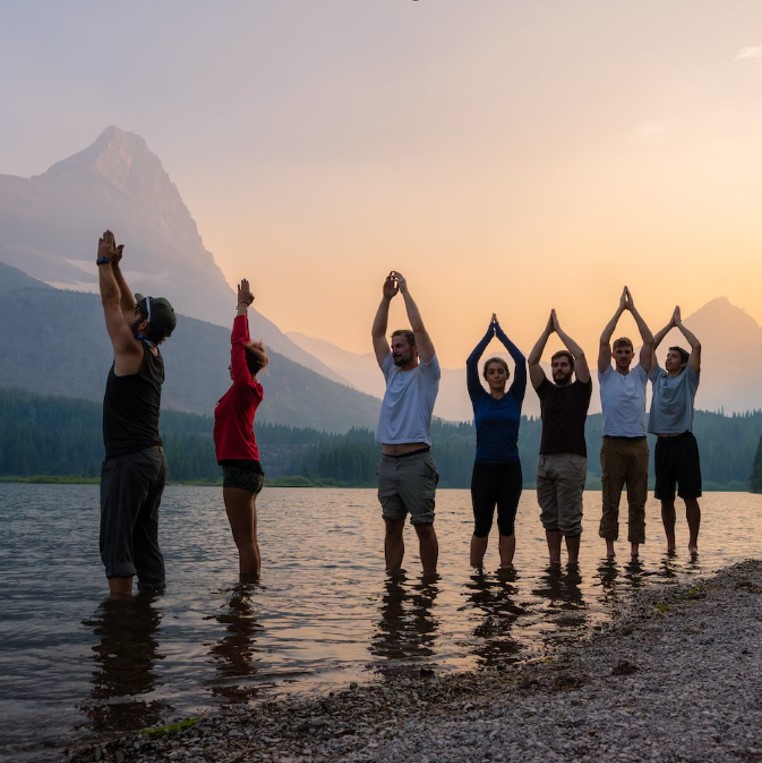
(677, 676)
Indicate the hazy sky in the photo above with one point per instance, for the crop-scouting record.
(506, 156)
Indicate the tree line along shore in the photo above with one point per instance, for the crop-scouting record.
(59, 439)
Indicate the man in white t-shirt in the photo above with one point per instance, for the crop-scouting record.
(407, 474)
(624, 447)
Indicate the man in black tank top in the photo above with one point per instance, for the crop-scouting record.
(135, 469)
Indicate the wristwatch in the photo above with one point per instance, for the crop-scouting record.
(102, 260)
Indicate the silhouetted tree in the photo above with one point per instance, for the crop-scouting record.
(755, 479)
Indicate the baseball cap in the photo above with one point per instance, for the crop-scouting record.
(158, 312)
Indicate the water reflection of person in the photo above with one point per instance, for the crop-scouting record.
(494, 644)
(125, 657)
(613, 581)
(566, 611)
(234, 655)
(406, 630)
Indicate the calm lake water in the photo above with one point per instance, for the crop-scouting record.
(75, 665)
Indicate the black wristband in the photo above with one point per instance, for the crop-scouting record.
(103, 260)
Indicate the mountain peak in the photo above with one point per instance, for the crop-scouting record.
(722, 312)
(121, 158)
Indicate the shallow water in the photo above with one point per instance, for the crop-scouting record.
(74, 664)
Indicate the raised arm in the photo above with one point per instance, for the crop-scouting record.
(519, 385)
(694, 361)
(239, 337)
(604, 346)
(581, 370)
(536, 374)
(128, 352)
(661, 333)
(381, 321)
(647, 348)
(422, 339)
(127, 296)
(245, 297)
(473, 384)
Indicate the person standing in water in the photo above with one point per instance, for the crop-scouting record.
(234, 440)
(624, 447)
(496, 479)
(676, 456)
(407, 474)
(135, 469)
(562, 466)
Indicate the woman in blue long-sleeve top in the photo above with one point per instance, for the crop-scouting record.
(496, 478)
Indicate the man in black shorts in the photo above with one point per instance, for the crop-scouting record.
(676, 457)
(135, 469)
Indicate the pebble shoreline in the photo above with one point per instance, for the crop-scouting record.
(677, 676)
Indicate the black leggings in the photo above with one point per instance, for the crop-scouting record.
(495, 484)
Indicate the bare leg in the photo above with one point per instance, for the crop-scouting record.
(507, 549)
(554, 546)
(478, 549)
(429, 548)
(668, 520)
(634, 550)
(693, 515)
(394, 545)
(572, 548)
(240, 506)
(610, 553)
(119, 587)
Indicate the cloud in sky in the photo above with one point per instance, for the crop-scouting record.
(745, 54)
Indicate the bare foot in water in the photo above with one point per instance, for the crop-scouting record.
(610, 553)
(634, 550)
(693, 550)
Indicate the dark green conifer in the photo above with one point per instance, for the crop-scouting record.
(755, 479)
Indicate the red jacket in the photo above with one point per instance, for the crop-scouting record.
(235, 410)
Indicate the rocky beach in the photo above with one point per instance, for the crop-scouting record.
(676, 676)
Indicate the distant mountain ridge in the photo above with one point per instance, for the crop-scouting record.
(49, 226)
(50, 223)
(54, 342)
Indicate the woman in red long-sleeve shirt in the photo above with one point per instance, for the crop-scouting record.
(234, 439)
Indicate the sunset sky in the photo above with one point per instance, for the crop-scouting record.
(506, 156)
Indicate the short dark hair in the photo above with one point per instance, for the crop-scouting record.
(624, 341)
(684, 354)
(409, 335)
(563, 354)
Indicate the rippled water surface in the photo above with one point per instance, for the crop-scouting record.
(74, 664)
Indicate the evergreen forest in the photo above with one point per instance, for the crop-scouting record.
(43, 436)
